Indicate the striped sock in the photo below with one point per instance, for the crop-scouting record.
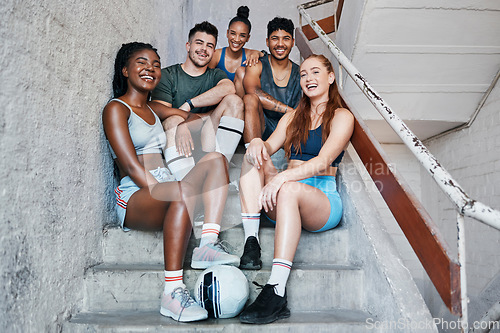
(209, 233)
(177, 164)
(251, 222)
(279, 275)
(228, 135)
(173, 279)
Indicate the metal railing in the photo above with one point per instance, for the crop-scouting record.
(465, 205)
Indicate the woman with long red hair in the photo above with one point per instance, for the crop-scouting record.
(304, 196)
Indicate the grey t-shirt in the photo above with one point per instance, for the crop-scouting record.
(176, 86)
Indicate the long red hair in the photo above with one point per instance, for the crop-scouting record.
(297, 131)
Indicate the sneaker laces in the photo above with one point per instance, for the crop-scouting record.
(251, 246)
(186, 299)
(222, 245)
(264, 296)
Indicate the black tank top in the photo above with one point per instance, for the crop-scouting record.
(289, 95)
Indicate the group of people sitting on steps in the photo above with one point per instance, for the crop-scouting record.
(173, 131)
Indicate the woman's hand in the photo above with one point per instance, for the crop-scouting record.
(256, 153)
(252, 57)
(269, 193)
(183, 140)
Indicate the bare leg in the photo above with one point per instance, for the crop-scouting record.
(146, 213)
(299, 206)
(210, 178)
(254, 118)
(170, 127)
(251, 182)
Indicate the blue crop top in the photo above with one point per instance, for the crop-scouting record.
(312, 147)
(221, 64)
(147, 139)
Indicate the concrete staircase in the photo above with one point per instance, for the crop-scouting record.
(338, 282)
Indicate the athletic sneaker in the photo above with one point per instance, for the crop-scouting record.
(268, 307)
(251, 254)
(180, 306)
(211, 254)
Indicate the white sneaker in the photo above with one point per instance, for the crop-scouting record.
(213, 254)
(180, 306)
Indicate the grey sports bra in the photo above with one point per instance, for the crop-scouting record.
(147, 139)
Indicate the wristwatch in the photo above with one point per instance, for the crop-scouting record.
(191, 106)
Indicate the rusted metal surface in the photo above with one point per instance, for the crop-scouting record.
(462, 261)
(327, 24)
(457, 195)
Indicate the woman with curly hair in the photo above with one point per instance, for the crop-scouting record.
(148, 197)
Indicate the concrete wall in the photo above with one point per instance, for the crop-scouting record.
(409, 168)
(56, 172)
(472, 156)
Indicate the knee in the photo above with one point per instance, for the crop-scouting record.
(172, 122)
(234, 105)
(217, 161)
(251, 102)
(288, 193)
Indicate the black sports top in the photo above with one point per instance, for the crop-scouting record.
(312, 147)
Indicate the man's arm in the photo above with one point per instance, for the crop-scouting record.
(251, 83)
(213, 96)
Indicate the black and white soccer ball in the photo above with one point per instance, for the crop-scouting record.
(222, 290)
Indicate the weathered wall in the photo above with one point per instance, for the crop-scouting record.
(56, 173)
(472, 156)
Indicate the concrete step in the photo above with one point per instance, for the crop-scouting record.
(139, 287)
(147, 247)
(345, 321)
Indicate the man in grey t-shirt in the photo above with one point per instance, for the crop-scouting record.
(193, 87)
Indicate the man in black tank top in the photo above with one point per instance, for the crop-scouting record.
(272, 86)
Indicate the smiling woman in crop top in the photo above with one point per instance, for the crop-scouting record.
(234, 56)
(304, 196)
(148, 197)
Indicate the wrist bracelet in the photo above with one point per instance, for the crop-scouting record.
(191, 106)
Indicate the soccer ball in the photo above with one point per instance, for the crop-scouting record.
(222, 290)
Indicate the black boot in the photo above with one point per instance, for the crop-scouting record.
(268, 307)
(251, 254)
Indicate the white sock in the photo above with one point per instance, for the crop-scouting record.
(251, 222)
(209, 233)
(173, 279)
(228, 136)
(279, 275)
(177, 164)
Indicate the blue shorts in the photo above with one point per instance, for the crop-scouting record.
(127, 187)
(328, 186)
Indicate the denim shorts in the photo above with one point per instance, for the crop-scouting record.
(328, 186)
(127, 187)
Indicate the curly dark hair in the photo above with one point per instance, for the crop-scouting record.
(280, 23)
(205, 27)
(242, 16)
(122, 58)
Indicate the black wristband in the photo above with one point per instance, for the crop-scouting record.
(191, 106)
